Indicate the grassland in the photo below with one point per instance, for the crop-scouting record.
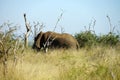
(96, 63)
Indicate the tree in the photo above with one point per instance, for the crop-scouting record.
(28, 31)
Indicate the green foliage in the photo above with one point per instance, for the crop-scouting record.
(88, 39)
(109, 39)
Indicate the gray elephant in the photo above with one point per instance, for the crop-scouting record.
(54, 40)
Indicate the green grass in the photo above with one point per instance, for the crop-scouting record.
(97, 63)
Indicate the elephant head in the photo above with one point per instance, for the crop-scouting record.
(55, 40)
(37, 41)
(42, 40)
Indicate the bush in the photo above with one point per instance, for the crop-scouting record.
(8, 40)
(109, 39)
(86, 38)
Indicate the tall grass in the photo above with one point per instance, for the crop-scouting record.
(97, 63)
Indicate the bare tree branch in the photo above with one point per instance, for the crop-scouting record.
(1, 43)
(37, 27)
(109, 23)
(58, 21)
(62, 29)
(27, 25)
(4, 58)
(45, 45)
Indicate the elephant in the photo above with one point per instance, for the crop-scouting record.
(54, 40)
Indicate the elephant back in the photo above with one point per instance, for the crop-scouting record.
(70, 40)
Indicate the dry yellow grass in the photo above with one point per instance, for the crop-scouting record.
(98, 63)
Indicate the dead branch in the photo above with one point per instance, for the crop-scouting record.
(14, 51)
(1, 43)
(26, 24)
(94, 22)
(37, 28)
(47, 41)
(62, 29)
(1, 26)
(4, 58)
(9, 32)
(28, 31)
(41, 27)
(60, 17)
(109, 23)
(91, 24)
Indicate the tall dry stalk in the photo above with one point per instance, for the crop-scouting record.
(47, 41)
(62, 29)
(112, 28)
(5, 57)
(91, 24)
(4, 48)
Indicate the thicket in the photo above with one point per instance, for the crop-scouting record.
(88, 39)
(10, 45)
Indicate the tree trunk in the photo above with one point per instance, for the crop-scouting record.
(28, 31)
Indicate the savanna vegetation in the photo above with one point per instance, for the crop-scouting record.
(97, 59)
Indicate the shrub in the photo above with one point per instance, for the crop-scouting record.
(6, 40)
(86, 38)
(109, 39)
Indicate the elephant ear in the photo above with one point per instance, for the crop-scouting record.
(39, 36)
